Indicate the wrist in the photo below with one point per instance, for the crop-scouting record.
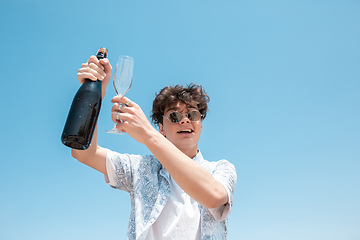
(153, 138)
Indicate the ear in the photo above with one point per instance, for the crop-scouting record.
(161, 129)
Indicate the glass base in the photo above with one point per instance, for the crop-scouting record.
(115, 131)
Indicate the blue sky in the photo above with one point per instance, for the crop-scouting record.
(284, 83)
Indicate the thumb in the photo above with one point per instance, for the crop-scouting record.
(107, 66)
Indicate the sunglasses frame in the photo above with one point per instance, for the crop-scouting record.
(186, 114)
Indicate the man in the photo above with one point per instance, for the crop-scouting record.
(175, 193)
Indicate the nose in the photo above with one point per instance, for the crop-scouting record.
(184, 119)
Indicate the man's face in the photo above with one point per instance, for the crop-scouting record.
(184, 134)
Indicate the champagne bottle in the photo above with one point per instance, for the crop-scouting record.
(84, 112)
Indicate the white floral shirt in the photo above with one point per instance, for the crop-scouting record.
(148, 184)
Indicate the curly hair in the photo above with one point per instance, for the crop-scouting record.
(169, 95)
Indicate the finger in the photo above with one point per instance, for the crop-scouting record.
(119, 127)
(124, 100)
(97, 71)
(92, 69)
(117, 99)
(115, 117)
(84, 75)
(117, 107)
(106, 64)
(123, 124)
(95, 61)
(120, 117)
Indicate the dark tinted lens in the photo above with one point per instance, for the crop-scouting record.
(175, 117)
(194, 116)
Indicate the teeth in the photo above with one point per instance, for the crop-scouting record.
(186, 130)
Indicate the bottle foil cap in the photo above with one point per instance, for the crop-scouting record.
(102, 53)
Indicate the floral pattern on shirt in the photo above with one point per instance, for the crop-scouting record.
(148, 184)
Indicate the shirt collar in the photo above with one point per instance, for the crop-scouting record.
(198, 157)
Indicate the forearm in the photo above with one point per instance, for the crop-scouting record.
(94, 156)
(188, 174)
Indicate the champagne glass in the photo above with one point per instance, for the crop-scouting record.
(122, 80)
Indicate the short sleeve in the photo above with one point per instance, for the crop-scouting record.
(225, 173)
(118, 168)
(110, 178)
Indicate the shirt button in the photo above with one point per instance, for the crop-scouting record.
(163, 197)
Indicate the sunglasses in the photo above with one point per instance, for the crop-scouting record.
(175, 117)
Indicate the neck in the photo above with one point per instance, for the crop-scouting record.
(191, 153)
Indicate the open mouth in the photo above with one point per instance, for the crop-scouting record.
(186, 131)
